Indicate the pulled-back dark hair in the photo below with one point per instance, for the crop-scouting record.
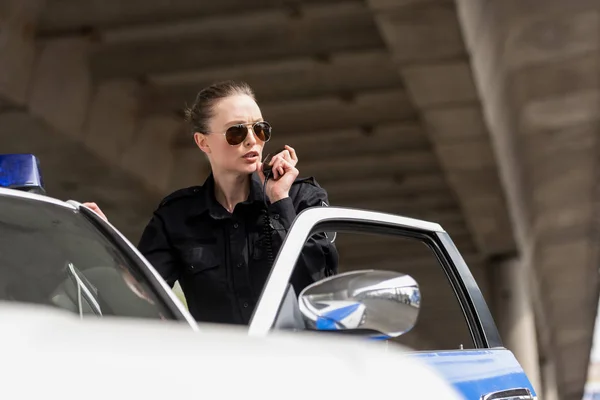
(202, 110)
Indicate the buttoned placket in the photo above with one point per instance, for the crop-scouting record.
(241, 281)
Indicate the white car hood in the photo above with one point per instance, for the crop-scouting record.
(48, 354)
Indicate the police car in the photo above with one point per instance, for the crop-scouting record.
(62, 254)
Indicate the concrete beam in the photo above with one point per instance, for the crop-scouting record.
(384, 200)
(366, 109)
(408, 187)
(371, 165)
(315, 144)
(427, 46)
(71, 15)
(378, 112)
(131, 51)
(441, 84)
(417, 32)
(286, 79)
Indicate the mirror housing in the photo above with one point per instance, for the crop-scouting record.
(371, 301)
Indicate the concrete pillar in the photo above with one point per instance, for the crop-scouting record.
(515, 316)
(550, 388)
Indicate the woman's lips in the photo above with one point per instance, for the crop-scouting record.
(251, 156)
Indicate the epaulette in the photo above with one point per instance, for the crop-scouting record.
(179, 194)
(311, 180)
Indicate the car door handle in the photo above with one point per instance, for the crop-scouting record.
(510, 394)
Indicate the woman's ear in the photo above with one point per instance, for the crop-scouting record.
(201, 142)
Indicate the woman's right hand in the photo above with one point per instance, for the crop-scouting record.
(94, 207)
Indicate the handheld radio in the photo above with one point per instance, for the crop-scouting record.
(267, 226)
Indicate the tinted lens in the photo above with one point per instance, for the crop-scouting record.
(262, 130)
(236, 134)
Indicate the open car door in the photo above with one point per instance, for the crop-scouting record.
(405, 282)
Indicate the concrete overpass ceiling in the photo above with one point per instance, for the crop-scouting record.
(228, 39)
(323, 75)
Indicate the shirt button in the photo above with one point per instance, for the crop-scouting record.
(240, 265)
(235, 225)
(276, 216)
(245, 305)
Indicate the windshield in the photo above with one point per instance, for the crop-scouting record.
(53, 255)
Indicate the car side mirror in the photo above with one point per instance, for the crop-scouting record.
(373, 302)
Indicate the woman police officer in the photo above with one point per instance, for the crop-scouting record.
(218, 239)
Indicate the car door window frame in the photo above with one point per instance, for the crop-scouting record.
(480, 316)
(477, 315)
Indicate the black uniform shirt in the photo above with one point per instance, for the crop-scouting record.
(220, 258)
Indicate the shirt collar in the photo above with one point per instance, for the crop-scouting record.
(207, 202)
(256, 189)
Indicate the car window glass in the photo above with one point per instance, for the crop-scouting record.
(53, 255)
(441, 323)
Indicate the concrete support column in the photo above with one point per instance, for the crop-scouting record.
(550, 388)
(515, 316)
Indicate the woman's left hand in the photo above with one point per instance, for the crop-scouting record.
(284, 173)
(94, 207)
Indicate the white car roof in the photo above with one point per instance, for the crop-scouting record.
(51, 354)
(33, 196)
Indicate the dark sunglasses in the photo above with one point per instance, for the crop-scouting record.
(236, 134)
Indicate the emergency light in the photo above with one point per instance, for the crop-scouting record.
(21, 172)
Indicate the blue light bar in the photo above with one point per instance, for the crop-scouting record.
(22, 172)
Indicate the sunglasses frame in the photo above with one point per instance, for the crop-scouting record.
(247, 126)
